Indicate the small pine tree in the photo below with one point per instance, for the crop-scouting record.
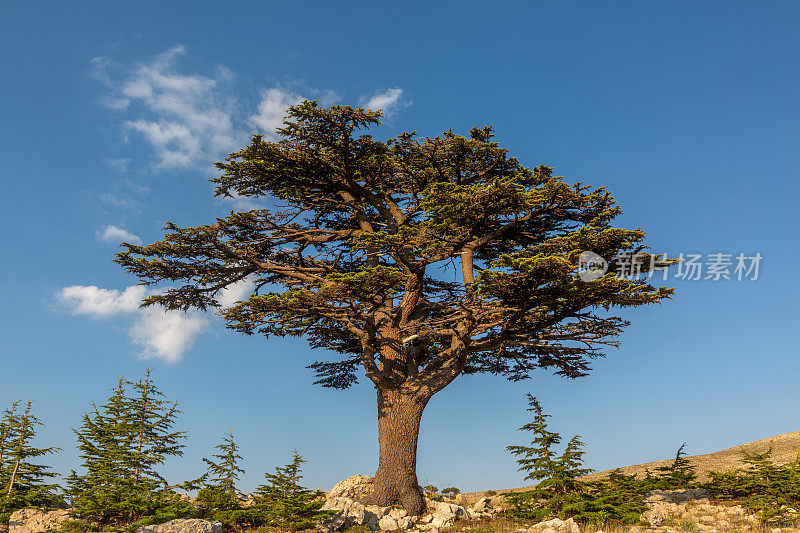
(105, 440)
(7, 434)
(121, 444)
(285, 503)
(559, 474)
(219, 495)
(536, 460)
(24, 482)
(225, 473)
(680, 474)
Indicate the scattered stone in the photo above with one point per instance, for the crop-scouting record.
(35, 521)
(694, 510)
(184, 525)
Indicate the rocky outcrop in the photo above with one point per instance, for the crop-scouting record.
(35, 521)
(349, 512)
(352, 513)
(184, 525)
(486, 507)
(693, 510)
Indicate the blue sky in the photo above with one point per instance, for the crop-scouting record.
(112, 114)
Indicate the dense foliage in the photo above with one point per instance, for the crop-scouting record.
(23, 481)
(559, 474)
(281, 502)
(771, 491)
(562, 493)
(218, 494)
(285, 503)
(122, 443)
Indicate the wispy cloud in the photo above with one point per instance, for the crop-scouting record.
(235, 292)
(101, 303)
(390, 101)
(118, 163)
(116, 235)
(165, 335)
(272, 110)
(275, 101)
(190, 120)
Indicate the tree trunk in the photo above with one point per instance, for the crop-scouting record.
(13, 478)
(399, 417)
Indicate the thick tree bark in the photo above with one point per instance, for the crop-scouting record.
(399, 417)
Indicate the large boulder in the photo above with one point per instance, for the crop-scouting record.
(352, 488)
(35, 521)
(183, 525)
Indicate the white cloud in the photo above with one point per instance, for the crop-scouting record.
(116, 235)
(187, 119)
(234, 293)
(389, 101)
(165, 335)
(190, 120)
(117, 104)
(242, 203)
(272, 110)
(99, 303)
(99, 70)
(120, 201)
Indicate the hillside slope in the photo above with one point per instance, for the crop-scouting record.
(785, 448)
